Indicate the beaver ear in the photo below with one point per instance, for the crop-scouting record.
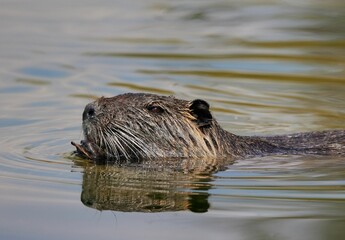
(200, 110)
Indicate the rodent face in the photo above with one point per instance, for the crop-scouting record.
(146, 125)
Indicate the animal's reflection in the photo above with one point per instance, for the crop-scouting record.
(148, 188)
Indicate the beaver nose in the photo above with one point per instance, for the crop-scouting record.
(89, 112)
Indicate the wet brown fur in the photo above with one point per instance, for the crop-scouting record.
(136, 126)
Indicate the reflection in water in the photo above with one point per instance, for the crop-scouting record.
(148, 188)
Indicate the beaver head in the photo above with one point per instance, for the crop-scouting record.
(135, 126)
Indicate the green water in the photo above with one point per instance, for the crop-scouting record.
(266, 67)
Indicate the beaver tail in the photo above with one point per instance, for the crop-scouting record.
(324, 142)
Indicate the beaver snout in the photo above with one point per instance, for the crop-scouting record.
(89, 112)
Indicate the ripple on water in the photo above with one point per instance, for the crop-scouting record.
(35, 155)
(288, 186)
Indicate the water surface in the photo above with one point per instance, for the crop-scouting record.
(266, 67)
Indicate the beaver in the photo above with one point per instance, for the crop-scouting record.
(132, 127)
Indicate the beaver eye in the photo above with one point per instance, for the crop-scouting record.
(155, 108)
